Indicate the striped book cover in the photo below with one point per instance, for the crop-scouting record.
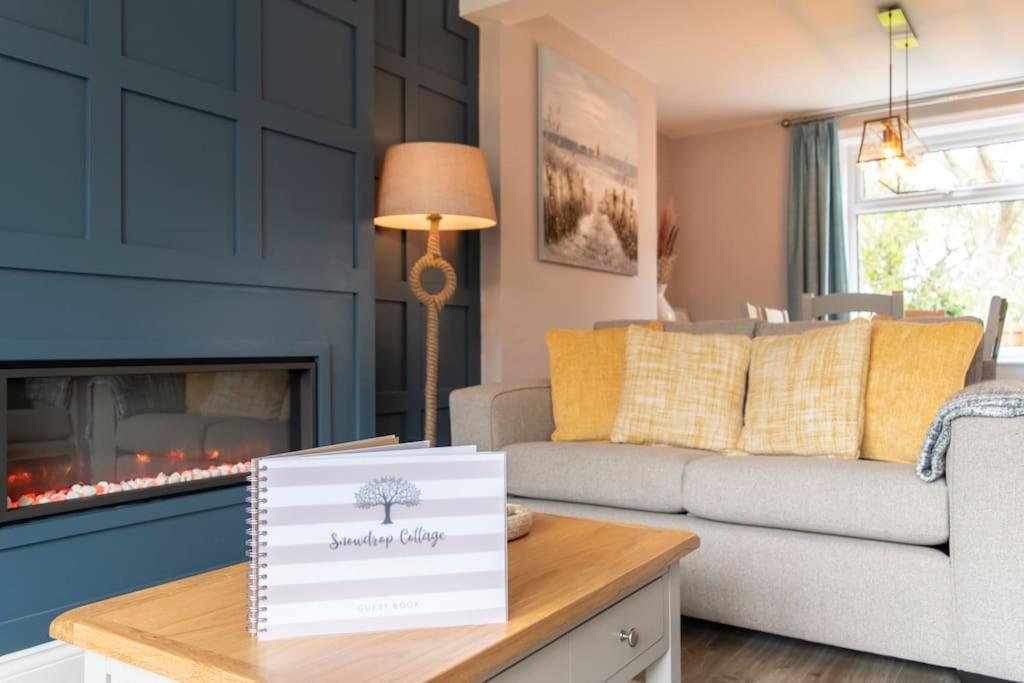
(391, 540)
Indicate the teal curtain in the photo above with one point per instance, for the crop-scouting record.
(817, 234)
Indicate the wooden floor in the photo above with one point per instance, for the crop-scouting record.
(724, 654)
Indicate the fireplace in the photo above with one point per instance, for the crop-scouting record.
(80, 435)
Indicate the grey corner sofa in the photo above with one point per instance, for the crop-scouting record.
(858, 554)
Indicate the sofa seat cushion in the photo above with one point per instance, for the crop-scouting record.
(601, 473)
(858, 498)
(41, 423)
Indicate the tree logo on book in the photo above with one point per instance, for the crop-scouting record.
(387, 491)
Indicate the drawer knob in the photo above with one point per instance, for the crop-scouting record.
(631, 636)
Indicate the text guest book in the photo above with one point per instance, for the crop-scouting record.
(377, 539)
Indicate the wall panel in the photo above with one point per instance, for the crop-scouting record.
(154, 31)
(162, 206)
(391, 346)
(66, 18)
(389, 25)
(426, 89)
(42, 150)
(180, 179)
(441, 117)
(445, 44)
(388, 111)
(310, 214)
(316, 74)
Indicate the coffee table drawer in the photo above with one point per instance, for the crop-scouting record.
(611, 640)
(550, 664)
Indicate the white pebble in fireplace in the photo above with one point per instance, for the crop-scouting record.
(102, 488)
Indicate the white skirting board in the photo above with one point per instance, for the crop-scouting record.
(52, 662)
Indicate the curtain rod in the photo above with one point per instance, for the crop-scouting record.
(925, 99)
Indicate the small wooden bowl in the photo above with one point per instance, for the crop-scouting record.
(519, 520)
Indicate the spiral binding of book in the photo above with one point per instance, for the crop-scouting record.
(256, 545)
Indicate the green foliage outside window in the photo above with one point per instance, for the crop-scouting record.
(952, 258)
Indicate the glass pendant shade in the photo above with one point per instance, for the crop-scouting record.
(890, 138)
(899, 177)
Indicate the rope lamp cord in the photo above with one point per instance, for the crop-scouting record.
(434, 302)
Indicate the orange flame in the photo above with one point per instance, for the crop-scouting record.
(16, 478)
(51, 478)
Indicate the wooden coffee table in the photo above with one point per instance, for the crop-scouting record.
(588, 601)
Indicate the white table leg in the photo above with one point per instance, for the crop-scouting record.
(95, 668)
(668, 667)
(101, 669)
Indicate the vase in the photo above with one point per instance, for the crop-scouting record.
(665, 310)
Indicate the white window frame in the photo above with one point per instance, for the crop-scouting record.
(977, 132)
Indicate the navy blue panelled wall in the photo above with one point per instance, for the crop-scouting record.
(425, 88)
(183, 178)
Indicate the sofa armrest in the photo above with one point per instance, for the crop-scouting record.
(493, 416)
(985, 475)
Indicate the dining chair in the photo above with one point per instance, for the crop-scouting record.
(993, 337)
(771, 315)
(890, 305)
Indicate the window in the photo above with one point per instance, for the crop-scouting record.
(956, 237)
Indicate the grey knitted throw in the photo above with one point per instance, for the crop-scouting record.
(999, 398)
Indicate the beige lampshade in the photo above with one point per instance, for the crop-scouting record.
(423, 178)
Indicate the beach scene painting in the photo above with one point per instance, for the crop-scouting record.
(589, 144)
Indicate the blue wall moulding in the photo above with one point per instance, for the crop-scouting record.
(425, 88)
(180, 179)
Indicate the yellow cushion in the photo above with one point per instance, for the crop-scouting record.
(257, 394)
(806, 392)
(682, 389)
(586, 376)
(198, 386)
(914, 368)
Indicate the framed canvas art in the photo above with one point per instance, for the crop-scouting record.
(587, 157)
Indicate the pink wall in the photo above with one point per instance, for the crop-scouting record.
(664, 171)
(522, 297)
(730, 194)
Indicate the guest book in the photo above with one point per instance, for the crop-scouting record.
(376, 536)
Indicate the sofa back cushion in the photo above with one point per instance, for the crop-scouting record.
(683, 389)
(914, 368)
(586, 377)
(740, 326)
(974, 372)
(806, 392)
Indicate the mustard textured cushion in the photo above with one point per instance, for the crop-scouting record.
(586, 377)
(806, 392)
(914, 368)
(198, 386)
(257, 394)
(683, 389)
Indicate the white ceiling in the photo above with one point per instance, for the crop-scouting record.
(726, 63)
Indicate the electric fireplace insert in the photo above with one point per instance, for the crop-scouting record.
(85, 434)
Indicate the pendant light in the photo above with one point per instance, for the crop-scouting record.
(890, 140)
